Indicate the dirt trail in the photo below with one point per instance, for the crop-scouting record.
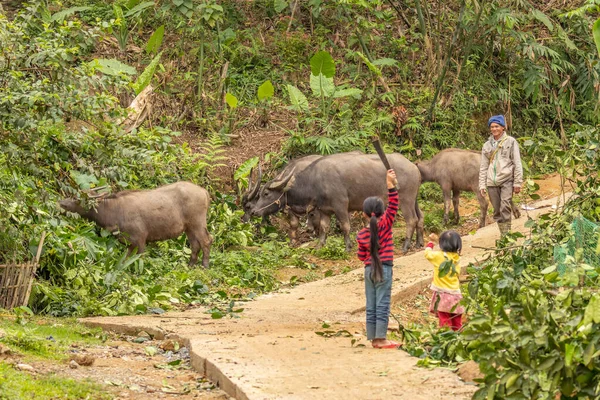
(273, 352)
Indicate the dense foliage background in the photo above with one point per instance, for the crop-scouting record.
(423, 75)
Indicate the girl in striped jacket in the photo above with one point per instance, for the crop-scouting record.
(376, 250)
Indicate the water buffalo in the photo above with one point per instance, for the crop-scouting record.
(250, 198)
(457, 170)
(142, 216)
(339, 183)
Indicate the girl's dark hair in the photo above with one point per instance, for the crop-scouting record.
(451, 241)
(374, 208)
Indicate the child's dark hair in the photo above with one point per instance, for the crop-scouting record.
(374, 208)
(451, 242)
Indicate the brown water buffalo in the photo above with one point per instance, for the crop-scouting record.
(457, 170)
(142, 216)
(339, 183)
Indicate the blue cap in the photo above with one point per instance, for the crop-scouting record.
(498, 119)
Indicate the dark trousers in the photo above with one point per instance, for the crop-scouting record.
(501, 199)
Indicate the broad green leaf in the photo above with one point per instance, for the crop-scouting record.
(543, 18)
(265, 91)
(322, 63)
(372, 67)
(112, 67)
(596, 33)
(551, 268)
(297, 98)
(280, 5)
(569, 352)
(321, 85)
(351, 92)
(244, 170)
(155, 40)
(84, 181)
(231, 101)
(592, 311)
(119, 13)
(388, 62)
(61, 15)
(512, 379)
(146, 77)
(588, 353)
(137, 10)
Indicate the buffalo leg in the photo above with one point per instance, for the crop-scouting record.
(344, 221)
(483, 207)
(420, 226)
(455, 200)
(200, 241)
(294, 222)
(205, 242)
(138, 244)
(411, 218)
(195, 247)
(323, 229)
(447, 199)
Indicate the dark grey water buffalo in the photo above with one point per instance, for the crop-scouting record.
(457, 170)
(338, 184)
(250, 198)
(142, 216)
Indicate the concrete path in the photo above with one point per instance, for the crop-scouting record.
(273, 352)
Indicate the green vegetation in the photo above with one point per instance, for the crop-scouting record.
(532, 329)
(34, 339)
(15, 385)
(326, 75)
(46, 338)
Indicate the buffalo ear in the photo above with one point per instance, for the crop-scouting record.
(290, 184)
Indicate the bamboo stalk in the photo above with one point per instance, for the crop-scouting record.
(440, 81)
(292, 17)
(467, 52)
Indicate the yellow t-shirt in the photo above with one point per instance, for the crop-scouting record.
(449, 283)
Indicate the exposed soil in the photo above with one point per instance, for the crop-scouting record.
(129, 371)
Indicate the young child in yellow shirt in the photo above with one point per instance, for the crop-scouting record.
(445, 302)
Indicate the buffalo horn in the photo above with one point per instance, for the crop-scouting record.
(93, 193)
(282, 181)
(246, 196)
(256, 185)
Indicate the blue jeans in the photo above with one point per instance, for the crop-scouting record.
(378, 302)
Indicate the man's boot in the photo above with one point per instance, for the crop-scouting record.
(504, 228)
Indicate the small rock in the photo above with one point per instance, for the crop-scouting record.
(73, 364)
(83, 359)
(5, 351)
(135, 388)
(184, 353)
(141, 339)
(469, 371)
(144, 334)
(169, 345)
(25, 367)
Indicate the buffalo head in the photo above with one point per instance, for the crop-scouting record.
(71, 205)
(250, 198)
(271, 198)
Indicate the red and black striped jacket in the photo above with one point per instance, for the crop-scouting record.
(384, 226)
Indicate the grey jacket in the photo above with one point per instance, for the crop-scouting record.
(501, 166)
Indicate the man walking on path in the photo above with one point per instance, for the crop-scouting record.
(501, 172)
